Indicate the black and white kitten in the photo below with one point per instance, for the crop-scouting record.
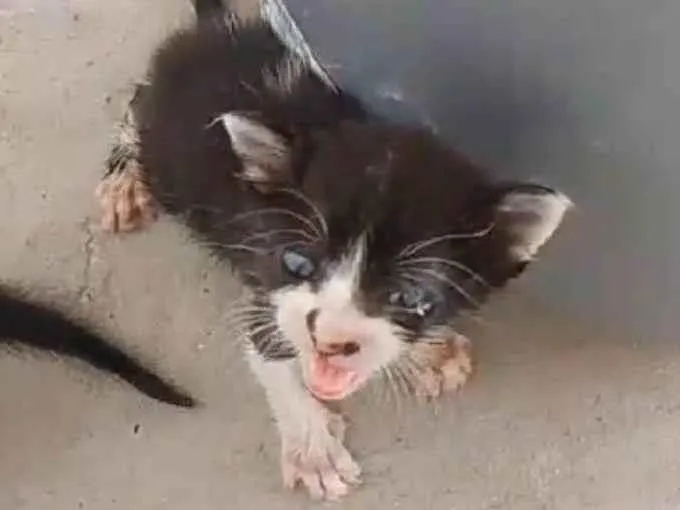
(362, 240)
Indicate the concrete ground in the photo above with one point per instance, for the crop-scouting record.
(558, 417)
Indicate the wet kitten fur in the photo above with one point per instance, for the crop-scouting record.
(361, 240)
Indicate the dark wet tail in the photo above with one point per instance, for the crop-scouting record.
(23, 323)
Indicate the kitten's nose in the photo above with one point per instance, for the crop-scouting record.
(330, 341)
(344, 348)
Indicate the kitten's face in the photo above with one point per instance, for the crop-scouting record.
(386, 239)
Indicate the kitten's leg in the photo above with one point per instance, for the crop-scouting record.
(312, 450)
(444, 367)
(124, 196)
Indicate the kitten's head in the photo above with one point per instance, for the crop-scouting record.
(382, 238)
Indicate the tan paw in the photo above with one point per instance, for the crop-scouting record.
(126, 201)
(320, 462)
(457, 369)
(445, 367)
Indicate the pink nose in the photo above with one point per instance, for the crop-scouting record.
(346, 348)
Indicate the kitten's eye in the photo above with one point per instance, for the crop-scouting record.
(298, 265)
(415, 299)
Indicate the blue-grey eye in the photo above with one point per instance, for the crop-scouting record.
(297, 264)
(413, 298)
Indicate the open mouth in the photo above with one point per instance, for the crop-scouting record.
(327, 381)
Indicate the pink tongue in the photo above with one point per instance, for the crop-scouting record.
(330, 382)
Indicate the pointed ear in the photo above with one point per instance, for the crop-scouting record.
(266, 156)
(529, 215)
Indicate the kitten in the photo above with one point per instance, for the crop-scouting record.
(24, 323)
(361, 240)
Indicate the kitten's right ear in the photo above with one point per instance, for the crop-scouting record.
(530, 214)
(265, 155)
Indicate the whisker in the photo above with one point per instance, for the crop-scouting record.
(261, 328)
(311, 205)
(404, 380)
(398, 379)
(418, 366)
(412, 368)
(244, 332)
(249, 306)
(282, 349)
(248, 313)
(251, 315)
(291, 243)
(416, 370)
(283, 231)
(392, 385)
(252, 331)
(413, 248)
(453, 263)
(275, 210)
(247, 323)
(408, 275)
(456, 286)
(235, 247)
(233, 317)
(431, 339)
(276, 345)
(266, 346)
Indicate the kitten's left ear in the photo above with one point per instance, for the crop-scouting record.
(266, 156)
(529, 215)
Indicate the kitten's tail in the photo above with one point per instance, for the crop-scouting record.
(23, 323)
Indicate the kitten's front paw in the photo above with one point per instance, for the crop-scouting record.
(457, 369)
(125, 200)
(320, 462)
(446, 367)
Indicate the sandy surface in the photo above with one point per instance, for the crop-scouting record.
(557, 418)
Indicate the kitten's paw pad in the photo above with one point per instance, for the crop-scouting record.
(125, 200)
(326, 472)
